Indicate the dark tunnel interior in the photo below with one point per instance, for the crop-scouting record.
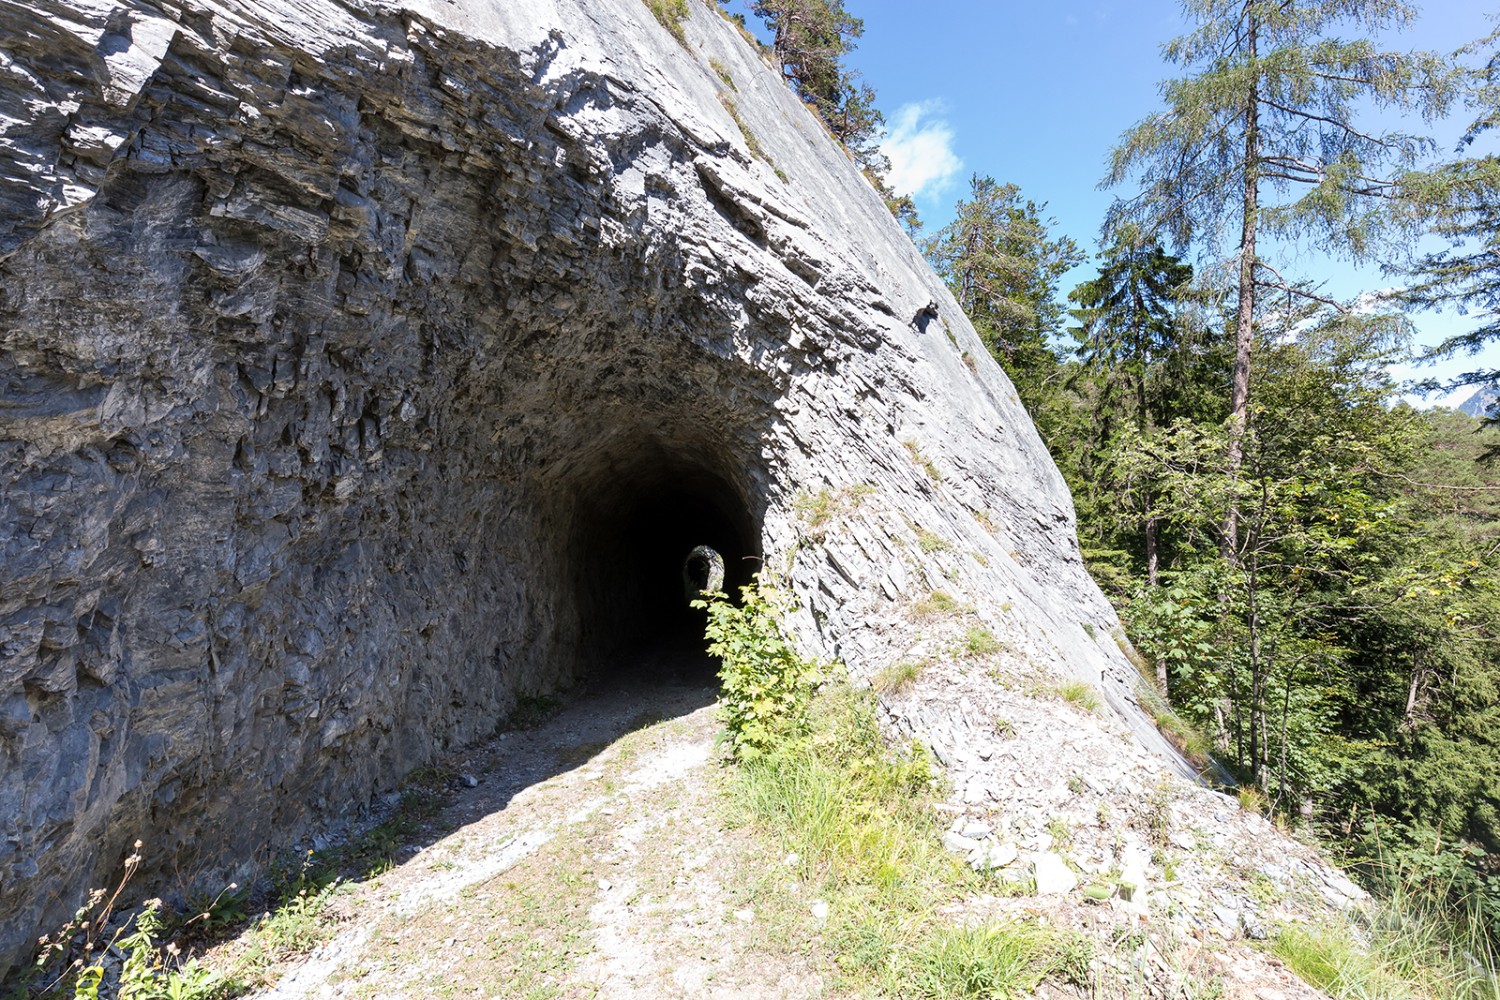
(634, 528)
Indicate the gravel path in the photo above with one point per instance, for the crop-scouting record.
(589, 860)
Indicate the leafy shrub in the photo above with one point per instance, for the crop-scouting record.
(72, 959)
(765, 683)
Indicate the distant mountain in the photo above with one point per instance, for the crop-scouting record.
(1481, 404)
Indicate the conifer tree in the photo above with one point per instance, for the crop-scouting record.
(1002, 262)
(1128, 325)
(1460, 201)
(1259, 143)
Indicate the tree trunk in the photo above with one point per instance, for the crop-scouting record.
(1151, 547)
(1409, 717)
(1244, 333)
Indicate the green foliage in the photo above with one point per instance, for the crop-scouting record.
(1459, 202)
(72, 959)
(1342, 653)
(810, 39)
(764, 683)
(1007, 959)
(722, 72)
(854, 812)
(898, 676)
(1268, 105)
(935, 605)
(980, 641)
(1079, 693)
(1002, 263)
(1405, 949)
(930, 541)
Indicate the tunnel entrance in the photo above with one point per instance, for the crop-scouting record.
(639, 514)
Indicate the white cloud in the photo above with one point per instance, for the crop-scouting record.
(919, 144)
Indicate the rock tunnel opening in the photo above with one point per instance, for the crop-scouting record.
(639, 514)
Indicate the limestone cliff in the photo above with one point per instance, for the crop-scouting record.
(363, 367)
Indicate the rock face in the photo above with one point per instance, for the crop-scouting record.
(365, 368)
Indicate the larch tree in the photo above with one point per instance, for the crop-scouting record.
(1259, 147)
(1460, 202)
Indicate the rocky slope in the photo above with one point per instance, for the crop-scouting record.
(366, 367)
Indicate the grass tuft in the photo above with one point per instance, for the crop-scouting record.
(722, 72)
(670, 14)
(898, 676)
(1080, 693)
(937, 603)
(854, 812)
(1007, 959)
(915, 451)
(751, 142)
(1414, 944)
(980, 641)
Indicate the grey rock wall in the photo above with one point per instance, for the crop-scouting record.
(355, 358)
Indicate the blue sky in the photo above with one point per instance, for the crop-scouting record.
(1037, 94)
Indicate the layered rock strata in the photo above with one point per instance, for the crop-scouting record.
(366, 368)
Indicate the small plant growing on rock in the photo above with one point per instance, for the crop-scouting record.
(670, 14)
(1156, 815)
(124, 958)
(980, 641)
(1079, 693)
(765, 683)
(928, 467)
(722, 72)
(939, 602)
(930, 541)
(898, 675)
(751, 142)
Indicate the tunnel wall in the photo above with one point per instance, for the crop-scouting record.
(345, 354)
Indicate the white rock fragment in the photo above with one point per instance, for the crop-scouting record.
(1053, 876)
(993, 855)
(958, 843)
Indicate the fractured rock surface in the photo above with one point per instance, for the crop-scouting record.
(364, 368)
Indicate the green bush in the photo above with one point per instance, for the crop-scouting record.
(765, 683)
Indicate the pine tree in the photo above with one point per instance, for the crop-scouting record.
(1128, 326)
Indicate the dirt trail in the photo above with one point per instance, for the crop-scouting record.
(590, 860)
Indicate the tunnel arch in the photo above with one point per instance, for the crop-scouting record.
(640, 500)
